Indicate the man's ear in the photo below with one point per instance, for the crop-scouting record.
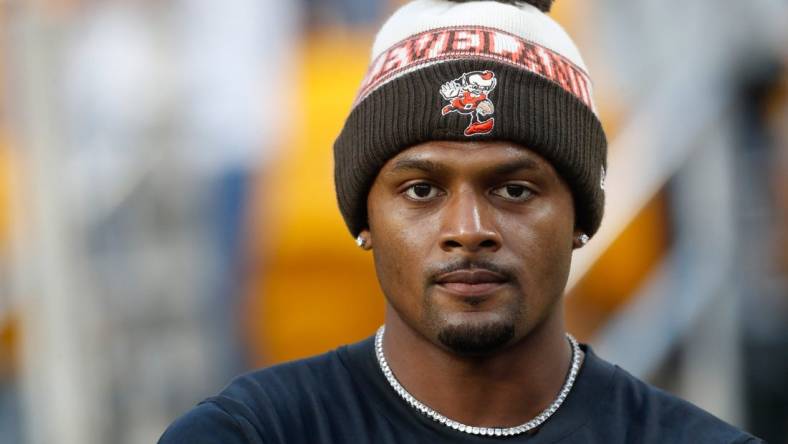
(364, 239)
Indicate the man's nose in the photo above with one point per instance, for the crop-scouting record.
(468, 224)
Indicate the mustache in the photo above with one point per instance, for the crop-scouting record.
(434, 271)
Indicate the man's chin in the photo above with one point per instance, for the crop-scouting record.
(476, 338)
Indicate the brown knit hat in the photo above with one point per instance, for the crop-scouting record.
(473, 70)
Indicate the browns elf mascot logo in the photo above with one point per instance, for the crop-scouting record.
(470, 94)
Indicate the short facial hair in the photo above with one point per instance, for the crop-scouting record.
(475, 338)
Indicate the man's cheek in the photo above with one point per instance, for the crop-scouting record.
(391, 267)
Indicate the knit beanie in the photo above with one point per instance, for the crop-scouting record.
(474, 70)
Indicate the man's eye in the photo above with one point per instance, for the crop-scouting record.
(421, 191)
(519, 193)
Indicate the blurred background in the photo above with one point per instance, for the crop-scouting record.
(168, 219)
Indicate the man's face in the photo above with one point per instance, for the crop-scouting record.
(472, 241)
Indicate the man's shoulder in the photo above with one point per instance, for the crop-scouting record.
(289, 380)
(637, 405)
(264, 401)
(210, 422)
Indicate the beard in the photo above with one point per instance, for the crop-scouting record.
(473, 336)
(476, 339)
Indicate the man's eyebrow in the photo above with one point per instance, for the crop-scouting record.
(515, 166)
(422, 165)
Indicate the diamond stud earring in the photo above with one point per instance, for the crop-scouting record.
(583, 239)
(361, 242)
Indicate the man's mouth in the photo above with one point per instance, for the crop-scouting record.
(471, 282)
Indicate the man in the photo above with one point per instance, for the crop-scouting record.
(471, 165)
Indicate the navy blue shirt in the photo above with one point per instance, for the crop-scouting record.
(343, 397)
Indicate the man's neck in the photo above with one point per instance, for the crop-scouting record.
(504, 389)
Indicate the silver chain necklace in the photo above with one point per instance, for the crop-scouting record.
(485, 431)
